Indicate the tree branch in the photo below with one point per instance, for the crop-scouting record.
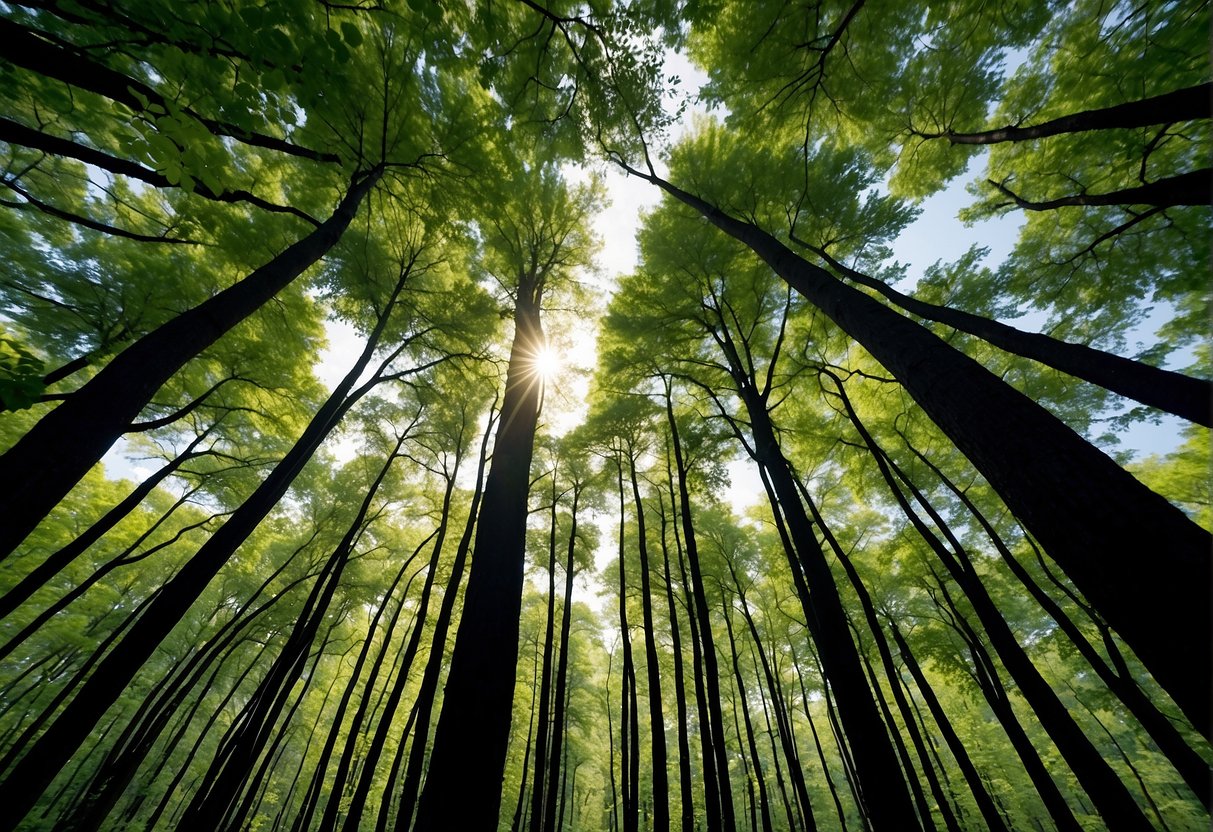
(1187, 104)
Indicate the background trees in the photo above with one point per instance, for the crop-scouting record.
(949, 604)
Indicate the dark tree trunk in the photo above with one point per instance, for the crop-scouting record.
(29, 778)
(996, 696)
(686, 800)
(434, 663)
(889, 666)
(907, 765)
(1186, 104)
(43, 466)
(1192, 188)
(1184, 396)
(1089, 513)
(821, 754)
(463, 790)
(629, 729)
(311, 798)
(43, 572)
(795, 770)
(539, 790)
(763, 802)
(563, 692)
(718, 790)
(989, 812)
(520, 806)
(875, 759)
(661, 788)
(1170, 741)
(374, 748)
(1109, 793)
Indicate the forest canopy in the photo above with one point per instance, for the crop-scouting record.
(310, 519)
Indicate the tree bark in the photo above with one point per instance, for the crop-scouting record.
(1089, 513)
(1175, 393)
(763, 802)
(875, 759)
(37, 52)
(1170, 741)
(986, 675)
(463, 790)
(718, 790)
(43, 466)
(1192, 188)
(661, 805)
(1109, 793)
(434, 663)
(686, 801)
(29, 778)
(539, 790)
(560, 715)
(985, 804)
(1187, 104)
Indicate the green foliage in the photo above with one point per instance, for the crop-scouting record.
(20, 375)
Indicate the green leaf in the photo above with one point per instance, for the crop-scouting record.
(351, 34)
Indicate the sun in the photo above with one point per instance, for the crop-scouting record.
(546, 363)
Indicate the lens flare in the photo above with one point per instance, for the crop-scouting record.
(546, 363)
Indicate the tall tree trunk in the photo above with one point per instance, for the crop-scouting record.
(53, 564)
(1109, 793)
(563, 692)
(427, 692)
(1176, 393)
(795, 769)
(995, 693)
(311, 798)
(520, 806)
(889, 666)
(29, 778)
(1170, 741)
(763, 803)
(236, 757)
(629, 739)
(718, 791)
(1090, 514)
(821, 754)
(985, 804)
(1187, 104)
(686, 800)
(41, 468)
(875, 759)
(374, 749)
(907, 765)
(463, 790)
(661, 798)
(539, 790)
